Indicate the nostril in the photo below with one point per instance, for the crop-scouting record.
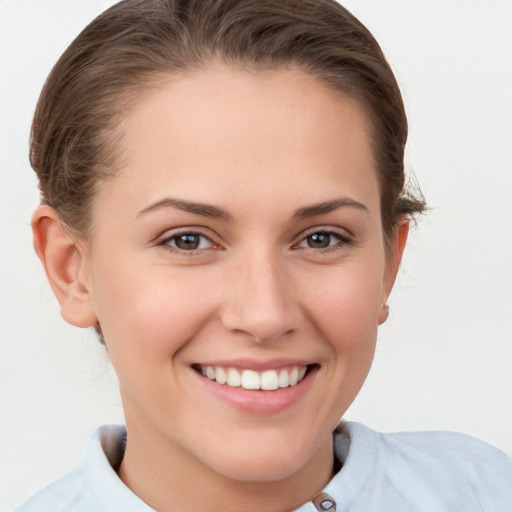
(261, 309)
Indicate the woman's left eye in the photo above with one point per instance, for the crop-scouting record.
(188, 242)
(323, 240)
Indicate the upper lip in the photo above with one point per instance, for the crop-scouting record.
(257, 365)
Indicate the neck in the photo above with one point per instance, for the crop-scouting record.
(167, 478)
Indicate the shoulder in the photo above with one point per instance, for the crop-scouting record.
(69, 494)
(456, 454)
(94, 484)
(431, 447)
(442, 469)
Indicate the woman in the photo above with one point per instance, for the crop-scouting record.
(223, 199)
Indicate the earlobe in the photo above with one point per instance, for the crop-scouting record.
(392, 265)
(62, 260)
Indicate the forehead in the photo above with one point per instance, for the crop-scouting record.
(228, 129)
(219, 97)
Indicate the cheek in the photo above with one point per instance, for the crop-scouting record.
(151, 315)
(345, 303)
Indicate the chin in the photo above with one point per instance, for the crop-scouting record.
(262, 463)
(268, 470)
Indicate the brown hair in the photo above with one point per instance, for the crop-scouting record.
(123, 51)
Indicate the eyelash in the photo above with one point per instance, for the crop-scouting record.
(342, 239)
(167, 241)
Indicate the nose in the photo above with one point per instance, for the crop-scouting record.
(261, 301)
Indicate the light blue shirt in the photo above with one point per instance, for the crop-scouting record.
(401, 472)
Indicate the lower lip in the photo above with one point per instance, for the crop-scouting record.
(259, 401)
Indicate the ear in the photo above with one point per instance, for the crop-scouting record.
(63, 263)
(392, 265)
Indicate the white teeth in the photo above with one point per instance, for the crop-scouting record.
(234, 378)
(251, 379)
(220, 375)
(283, 379)
(268, 380)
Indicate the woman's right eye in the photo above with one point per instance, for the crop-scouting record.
(187, 242)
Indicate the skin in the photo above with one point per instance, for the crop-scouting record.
(263, 147)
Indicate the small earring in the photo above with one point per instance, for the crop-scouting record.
(385, 313)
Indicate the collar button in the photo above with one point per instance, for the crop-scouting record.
(324, 503)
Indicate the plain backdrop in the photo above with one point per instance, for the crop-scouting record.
(444, 358)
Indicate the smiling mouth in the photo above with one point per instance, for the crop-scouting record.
(268, 380)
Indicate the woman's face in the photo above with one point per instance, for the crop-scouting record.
(241, 240)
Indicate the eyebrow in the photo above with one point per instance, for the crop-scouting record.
(328, 206)
(205, 210)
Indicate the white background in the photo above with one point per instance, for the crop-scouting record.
(444, 359)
